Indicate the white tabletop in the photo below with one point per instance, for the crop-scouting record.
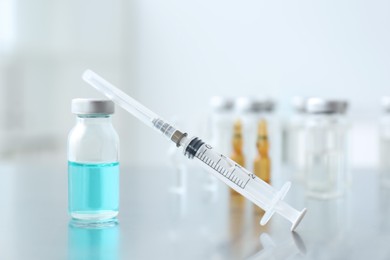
(158, 222)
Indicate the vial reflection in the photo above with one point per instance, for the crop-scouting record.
(100, 241)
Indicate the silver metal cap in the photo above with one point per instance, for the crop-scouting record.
(386, 103)
(221, 104)
(88, 106)
(254, 105)
(325, 106)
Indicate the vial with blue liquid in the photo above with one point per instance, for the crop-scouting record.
(93, 162)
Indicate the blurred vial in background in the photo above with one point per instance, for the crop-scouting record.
(251, 111)
(326, 148)
(221, 123)
(262, 162)
(293, 139)
(384, 143)
(237, 154)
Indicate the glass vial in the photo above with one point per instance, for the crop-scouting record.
(326, 148)
(262, 162)
(251, 111)
(221, 123)
(384, 143)
(93, 162)
(293, 139)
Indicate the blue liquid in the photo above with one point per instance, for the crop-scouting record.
(93, 190)
(93, 242)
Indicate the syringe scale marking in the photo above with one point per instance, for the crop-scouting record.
(229, 175)
(237, 180)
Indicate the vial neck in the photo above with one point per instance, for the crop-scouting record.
(93, 119)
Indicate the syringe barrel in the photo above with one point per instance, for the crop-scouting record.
(120, 98)
(244, 182)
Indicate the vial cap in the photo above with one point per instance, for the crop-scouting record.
(221, 104)
(88, 106)
(325, 106)
(254, 105)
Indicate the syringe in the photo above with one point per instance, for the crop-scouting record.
(228, 171)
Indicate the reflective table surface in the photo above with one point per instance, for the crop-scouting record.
(160, 220)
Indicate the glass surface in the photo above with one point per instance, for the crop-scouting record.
(93, 190)
(157, 224)
(96, 242)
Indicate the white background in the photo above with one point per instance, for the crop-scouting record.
(174, 55)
